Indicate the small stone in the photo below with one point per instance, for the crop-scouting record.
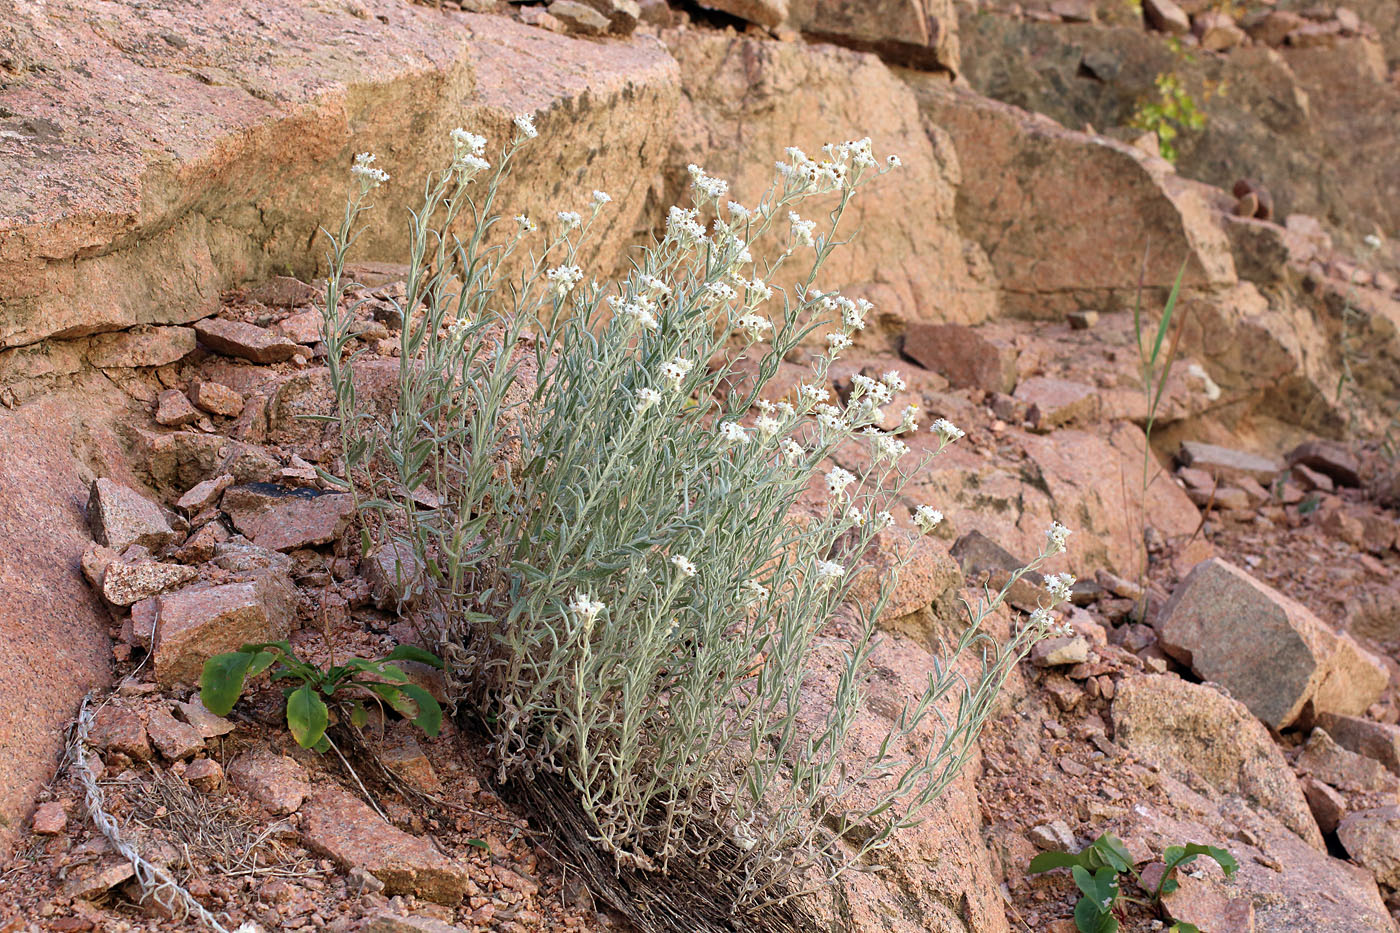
(768, 13)
(140, 347)
(275, 781)
(1060, 652)
(285, 518)
(387, 922)
(120, 517)
(1324, 759)
(1221, 498)
(1218, 33)
(1083, 320)
(1054, 403)
(394, 574)
(1225, 463)
(245, 341)
(50, 819)
(401, 754)
(130, 581)
(173, 739)
(1055, 836)
(92, 882)
(204, 722)
(963, 356)
(1372, 839)
(1377, 740)
(204, 494)
(284, 291)
(539, 17)
(1166, 16)
(1328, 806)
(202, 545)
(119, 730)
(1311, 479)
(95, 561)
(1273, 26)
(622, 15)
(579, 18)
(198, 623)
(304, 327)
(205, 774)
(174, 410)
(217, 399)
(1328, 458)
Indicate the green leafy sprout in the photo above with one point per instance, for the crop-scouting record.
(346, 685)
(1096, 870)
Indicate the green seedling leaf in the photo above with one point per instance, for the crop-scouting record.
(307, 716)
(1183, 927)
(413, 653)
(1048, 861)
(480, 844)
(322, 746)
(221, 682)
(261, 662)
(1109, 850)
(429, 717)
(358, 715)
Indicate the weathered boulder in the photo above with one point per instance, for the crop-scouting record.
(1033, 176)
(1268, 650)
(134, 578)
(1192, 729)
(963, 355)
(1225, 463)
(139, 207)
(275, 781)
(195, 624)
(53, 626)
(745, 100)
(1378, 740)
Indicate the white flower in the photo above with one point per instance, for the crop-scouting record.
(366, 174)
(793, 452)
(893, 161)
(738, 211)
(1059, 586)
(682, 564)
(640, 315)
(908, 419)
(887, 447)
(1041, 619)
(830, 418)
(802, 230)
(786, 410)
(828, 572)
(464, 141)
(754, 325)
(719, 291)
(837, 481)
(646, 398)
(732, 432)
(1373, 241)
(655, 284)
(754, 592)
(683, 226)
(525, 122)
(525, 224)
(586, 608)
(469, 166)
(855, 516)
(710, 188)
(758, 291)
(601, 197)
(853, 312)
(883, 519)
(569, 220)
(893, 381)
(562, 279)
(946, 430)
(767, 426)
(1056, 535)
(927, 518)
(838, 342)
(813, 393)
(674, 372)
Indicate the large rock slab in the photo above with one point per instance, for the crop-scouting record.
(1192, 729)
(231, 139)
(193, 625)
(53, 626)
(340, 826)
(745, 100)
(1041, 196)
(919, 33)
(1268, 650)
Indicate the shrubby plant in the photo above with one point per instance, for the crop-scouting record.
(607, 515)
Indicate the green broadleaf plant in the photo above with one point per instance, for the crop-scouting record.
(1097, 866)
(345, 685)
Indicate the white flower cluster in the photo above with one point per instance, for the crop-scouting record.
(675, 371)
(466, 154)
(828, 572)
(562, 280)
(684, 227)
(755, 326)
(1059, 585)
(684, 565)
(947, 431)
(802, 230)
(706, 185)
(569, 220)
(1057, 535)
(646, 398)
(732, 432)
(525, 224)
(837, 480)
(586, 608)
(927, 518)
(366, 174)
(525, 122)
